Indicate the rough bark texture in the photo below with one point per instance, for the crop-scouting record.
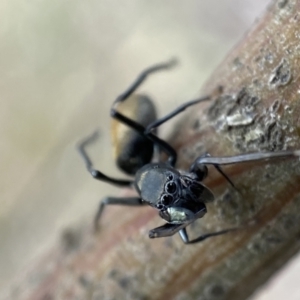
(255, 107)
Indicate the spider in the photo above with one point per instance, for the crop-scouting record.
(179, 196)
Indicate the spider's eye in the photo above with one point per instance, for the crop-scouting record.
(159, 206)
(166, 199)
(188, 182)
(171, 187)
(170, 176)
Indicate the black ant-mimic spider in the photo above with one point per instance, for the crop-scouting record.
(179, 197)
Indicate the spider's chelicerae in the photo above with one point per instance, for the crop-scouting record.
(179, 197)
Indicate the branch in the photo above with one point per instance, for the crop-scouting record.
(254, 108)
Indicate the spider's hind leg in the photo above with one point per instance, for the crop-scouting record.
(89, 165)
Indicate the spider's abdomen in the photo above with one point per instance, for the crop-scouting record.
(131, 149)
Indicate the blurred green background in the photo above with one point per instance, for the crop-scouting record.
(62, 63)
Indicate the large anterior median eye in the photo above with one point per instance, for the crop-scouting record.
(166, 199)
(171, 187)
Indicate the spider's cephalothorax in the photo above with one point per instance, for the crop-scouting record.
(178, 196)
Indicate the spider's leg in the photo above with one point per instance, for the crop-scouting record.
(89, 165)
(185, 238)
(174, 113)
(136, 126)
(127, 201)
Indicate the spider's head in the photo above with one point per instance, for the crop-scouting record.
(179, 198)
(158, 184)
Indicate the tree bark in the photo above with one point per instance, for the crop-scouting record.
(255, 107)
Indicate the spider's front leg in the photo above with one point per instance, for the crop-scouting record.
(165, 230)
(178, 218)
(185, 238)
(171, 229)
